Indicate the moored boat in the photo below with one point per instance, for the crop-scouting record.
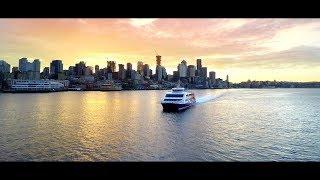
(26, 86)
(110, 87)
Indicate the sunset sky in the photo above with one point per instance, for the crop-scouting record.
(256, 49)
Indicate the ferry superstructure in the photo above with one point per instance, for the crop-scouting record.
(19, 85)
(178, 99)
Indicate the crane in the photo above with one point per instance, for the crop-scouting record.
(156, 52)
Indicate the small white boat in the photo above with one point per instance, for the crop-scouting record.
(111, 87)
(178, 99)
(75, 89)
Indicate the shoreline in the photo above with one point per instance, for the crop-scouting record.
(28, 92)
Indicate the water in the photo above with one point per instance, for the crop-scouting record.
(225, 125)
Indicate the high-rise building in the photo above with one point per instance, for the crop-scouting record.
(175, 74)
(199, 68)
(199, 65)
(96, 69)
(140, 67)
(115, 75)
(36, 69)
(36, 65)
(71, 70)
(212, 76)
(56, 67)
(4, 67)
(159, 75)
(129, 70)
(15, 69)
(15, 72)
(45, 73)
(109, 76)
(191, 71)
(182, 69)
(29, 70)
(204, 72)
(88, 71)
(227, 81)
(111, 66)
(80, 68)
(158, 59)
(164, 73)
(135, 75)
(129, 66)
(122, 72)
(23, 65)
(146, 70)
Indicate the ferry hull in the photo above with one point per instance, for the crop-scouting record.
(170, 107)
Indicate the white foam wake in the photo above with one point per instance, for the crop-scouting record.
(207, 98)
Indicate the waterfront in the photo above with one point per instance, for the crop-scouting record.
(226, 125)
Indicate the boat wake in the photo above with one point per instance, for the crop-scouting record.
(208, 98)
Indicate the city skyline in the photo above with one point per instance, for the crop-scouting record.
(256, 49)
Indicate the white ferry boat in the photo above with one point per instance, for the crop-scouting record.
(178, 99)
(18, 85)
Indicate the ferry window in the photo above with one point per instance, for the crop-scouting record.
(172, 99)
(174, 95)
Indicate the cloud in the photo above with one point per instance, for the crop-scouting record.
(240, 43)
(141, 22)
(301, 56)
(82, 21)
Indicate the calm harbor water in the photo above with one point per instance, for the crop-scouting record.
(225, 125)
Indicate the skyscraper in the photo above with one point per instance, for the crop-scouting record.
(199, 65)
(56, 67)
(71, 70)
(15, 72)
(212, 76)
(182, 69)
(140, 67)
(36, 65)
(96, 69)
(227, 81)
(122, 72)
(146, 70)
(30, 70)
(80, 68)
(129, 66)
(204, 72)
(129, 69)
(111, 66)
(175, 75)
(4, 67)
(158, 59)
(191, 71)
(88, 71)
(164, 73)
(159, 75)
(199, 68)
(45, 73)
(23, 65)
